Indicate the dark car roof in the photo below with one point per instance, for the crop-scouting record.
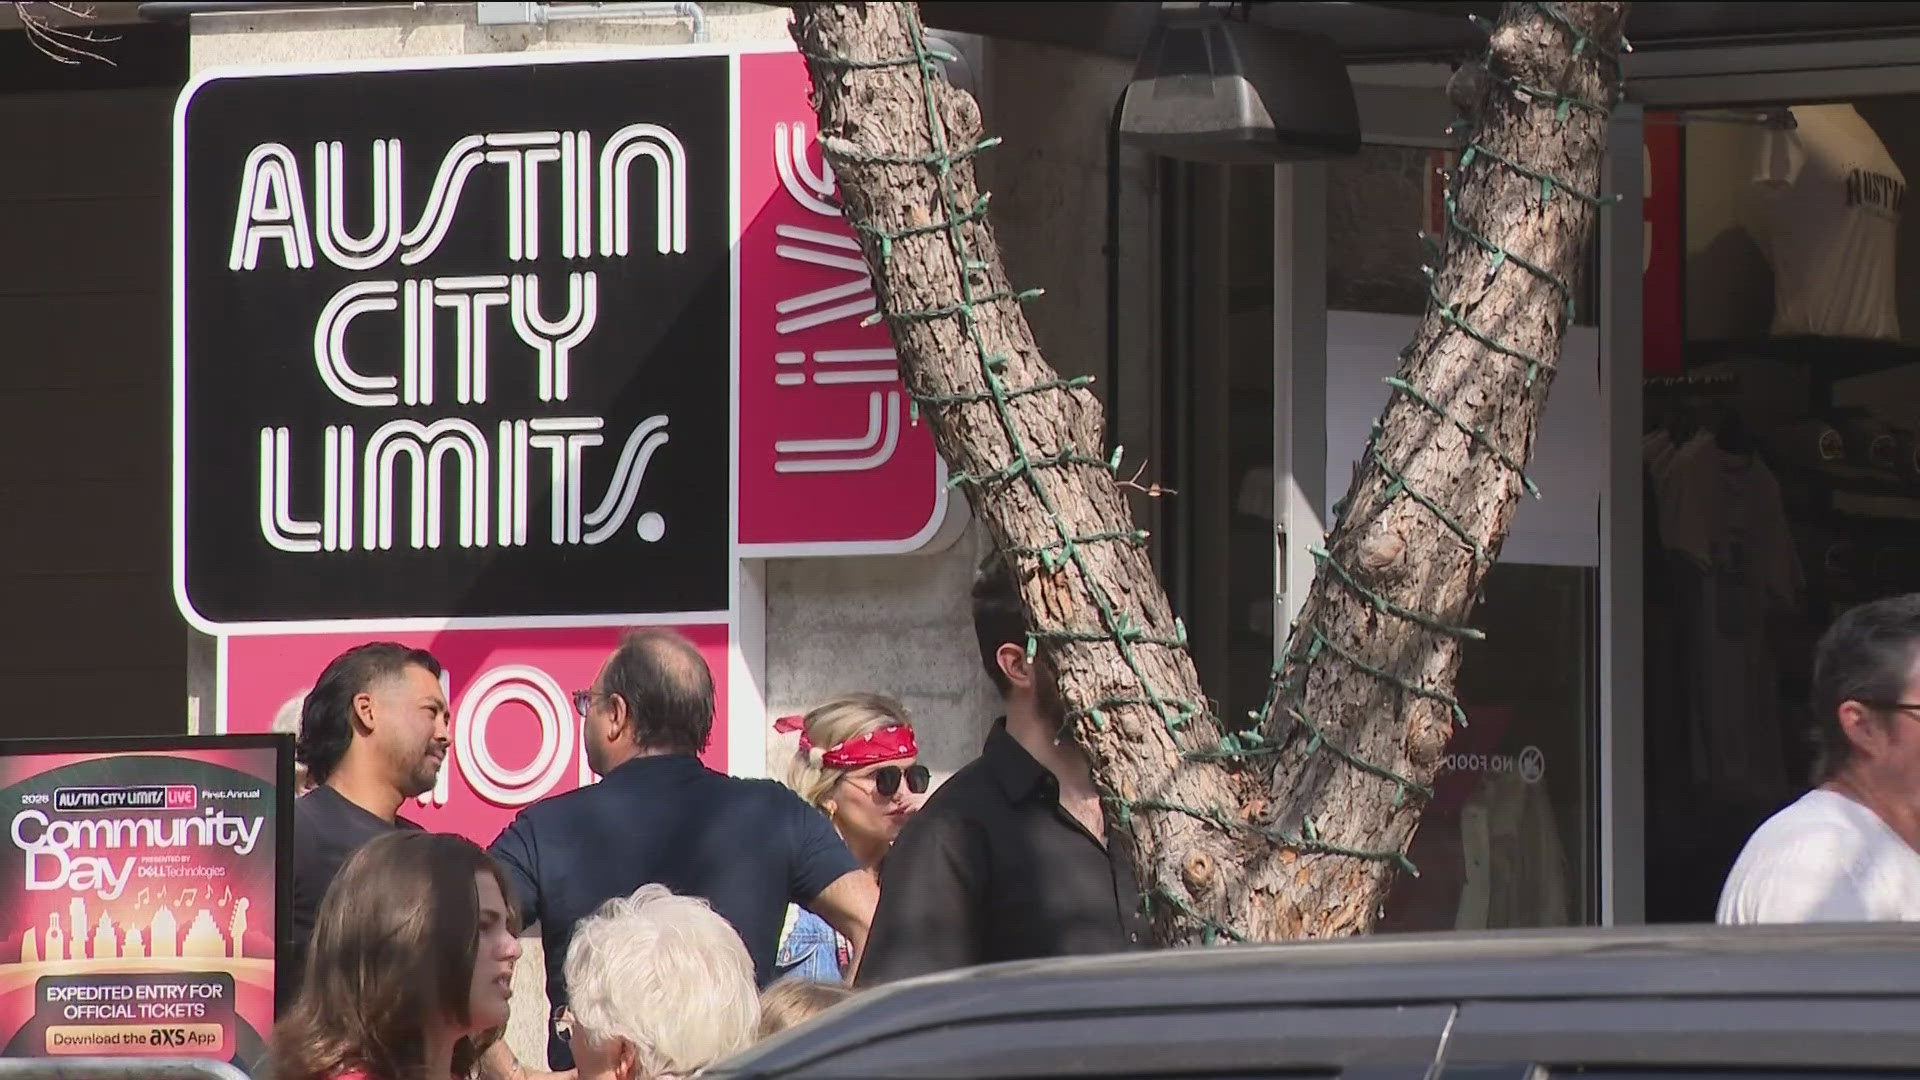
(1400, 972)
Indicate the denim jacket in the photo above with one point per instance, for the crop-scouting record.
(809, 949)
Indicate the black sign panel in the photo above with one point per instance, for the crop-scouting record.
(455, 342)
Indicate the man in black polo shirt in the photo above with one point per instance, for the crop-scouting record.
(373, 733)
(749, 847)
(1012, 858)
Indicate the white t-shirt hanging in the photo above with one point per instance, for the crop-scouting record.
(1831, 198)
(1825, 858)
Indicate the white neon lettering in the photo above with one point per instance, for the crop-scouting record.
(522, 452)
(277, 526)
(329, 338)
(271, 208)
(510, 508)
(470, 297)
(425, 446)
(329, 195)
(554, 340)
(535, 690)
(624, 489)
(526, 152)
(565, 439)
(272, 204)
(576, 203)
(407, 458)
(882, 438)
(818, 248)
(589, 183)
(808, 188)
(669, 158)
(583, 195)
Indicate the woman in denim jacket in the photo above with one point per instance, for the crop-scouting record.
(858, 764)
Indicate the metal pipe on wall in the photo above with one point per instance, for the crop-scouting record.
(169, 10)
(690, 11)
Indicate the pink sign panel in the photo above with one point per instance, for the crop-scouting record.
(831, 459)
(516, 738)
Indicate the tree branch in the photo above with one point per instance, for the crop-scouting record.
(61, 44)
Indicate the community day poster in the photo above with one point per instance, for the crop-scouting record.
(140, 895)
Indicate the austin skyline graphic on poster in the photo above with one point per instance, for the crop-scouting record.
(137, 902)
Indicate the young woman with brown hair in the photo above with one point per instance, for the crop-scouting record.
(411, 967)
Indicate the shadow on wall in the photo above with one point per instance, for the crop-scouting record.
(1730, 286)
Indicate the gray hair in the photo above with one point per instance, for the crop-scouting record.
(1866, 656)
(667, 975)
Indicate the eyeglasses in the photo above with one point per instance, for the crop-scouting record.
(1892, 706)
(583, 700)
(563, 1024)
(886, 779)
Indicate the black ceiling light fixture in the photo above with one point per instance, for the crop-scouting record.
(1209, 88)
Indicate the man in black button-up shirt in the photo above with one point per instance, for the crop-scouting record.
(1012, 858)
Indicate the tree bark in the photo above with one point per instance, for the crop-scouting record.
(1293, 829)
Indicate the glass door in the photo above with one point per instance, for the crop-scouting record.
(1288, 295)
(1509, 838)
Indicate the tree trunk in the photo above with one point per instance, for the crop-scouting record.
(1293, 828)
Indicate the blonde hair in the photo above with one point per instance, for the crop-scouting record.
(668, 975)
(847, 717)
(792, 1002)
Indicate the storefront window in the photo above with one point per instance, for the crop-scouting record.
(1782, 422)
(1221, 547)
(1508, 839)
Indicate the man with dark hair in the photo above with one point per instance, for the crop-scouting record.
(373, 733)
(1849, 850)
(1013, 858)
(749, 847)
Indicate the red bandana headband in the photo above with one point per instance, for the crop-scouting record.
(889, 743)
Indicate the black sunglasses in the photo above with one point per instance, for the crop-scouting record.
(886, 779)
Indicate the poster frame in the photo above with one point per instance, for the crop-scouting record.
(109, 745)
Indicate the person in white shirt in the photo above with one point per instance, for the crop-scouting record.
(1849, 850)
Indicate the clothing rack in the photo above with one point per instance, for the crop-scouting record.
(1689, 382)
(1779, 119)
(1683, 404)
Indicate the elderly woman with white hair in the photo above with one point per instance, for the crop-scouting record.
(661, 988)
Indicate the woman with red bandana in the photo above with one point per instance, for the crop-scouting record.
(858, 764)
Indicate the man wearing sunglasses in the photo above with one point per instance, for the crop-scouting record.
(660, 816)
(1849, 850)
(1013, 858)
